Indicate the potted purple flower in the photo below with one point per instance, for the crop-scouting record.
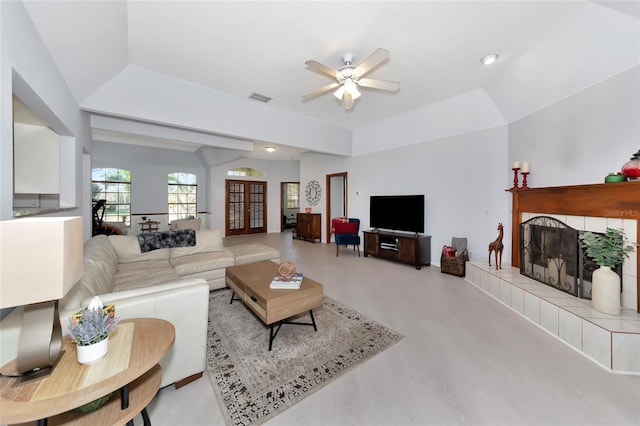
(90, 329)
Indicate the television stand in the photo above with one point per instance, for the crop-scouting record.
(414, 249)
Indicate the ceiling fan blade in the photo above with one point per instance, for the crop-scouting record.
(317, 66)
(392, 86)
(320, 91)
(372, 61)
(348, 100)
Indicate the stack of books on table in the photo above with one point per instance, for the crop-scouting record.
(292, 284)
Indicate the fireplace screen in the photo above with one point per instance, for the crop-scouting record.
(551, 252)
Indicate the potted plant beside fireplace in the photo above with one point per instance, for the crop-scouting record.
(607, 250)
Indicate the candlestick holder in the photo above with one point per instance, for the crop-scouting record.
(515, 177)
(524, 179)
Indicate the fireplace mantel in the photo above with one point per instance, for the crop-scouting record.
(619, 200)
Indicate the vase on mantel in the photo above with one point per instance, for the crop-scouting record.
(91, 353)
(605, 291)
(631, 169)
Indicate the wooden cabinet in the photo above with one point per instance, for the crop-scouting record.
(309, 226)
(405, 248)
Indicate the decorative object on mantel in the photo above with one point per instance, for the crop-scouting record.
(515, 168)
(90, 329)
(631, 169)
(607, 250)
(307, 210)
(524, 172)
(497, 246)
(615, 177)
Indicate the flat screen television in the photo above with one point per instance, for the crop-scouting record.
(397, 212)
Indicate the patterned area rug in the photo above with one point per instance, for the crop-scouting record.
(253, 384)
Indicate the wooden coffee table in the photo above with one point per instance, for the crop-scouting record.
(131, 366)
(250, 283)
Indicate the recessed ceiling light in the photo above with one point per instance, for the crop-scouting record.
(489, 59)
(270, 148)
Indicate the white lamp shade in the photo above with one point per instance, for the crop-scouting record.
(40, 259)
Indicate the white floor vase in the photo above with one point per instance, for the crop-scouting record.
(605, 294)
(92, 353)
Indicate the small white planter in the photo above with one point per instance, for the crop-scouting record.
(605, 294)
(92, 353)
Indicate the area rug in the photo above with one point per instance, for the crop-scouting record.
(253, 384)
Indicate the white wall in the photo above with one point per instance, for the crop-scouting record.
(36, 159)
(27, 70)
(149, 168)
(582, 138)
(461, 177)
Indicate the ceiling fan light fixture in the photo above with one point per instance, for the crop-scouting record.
(349, 77)
(351, 87)
(489, 59)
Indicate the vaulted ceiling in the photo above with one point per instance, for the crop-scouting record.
(240, 48)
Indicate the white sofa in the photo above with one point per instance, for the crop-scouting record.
(170, 283)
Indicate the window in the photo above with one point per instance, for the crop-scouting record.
(114, 186)
(245, 172)
(182, 196)
(293, 195)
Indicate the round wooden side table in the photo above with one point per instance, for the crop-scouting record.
(131, 366)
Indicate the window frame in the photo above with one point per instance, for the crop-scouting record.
(122, 208)
(292, 201)
(186, 209)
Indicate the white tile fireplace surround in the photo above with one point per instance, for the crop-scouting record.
(612, 342)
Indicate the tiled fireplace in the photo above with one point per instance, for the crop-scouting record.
(611, 341)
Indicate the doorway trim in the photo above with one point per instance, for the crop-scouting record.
(247, 208)
(283, 200)
(344, 175)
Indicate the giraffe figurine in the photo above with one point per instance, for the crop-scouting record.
(497, 246)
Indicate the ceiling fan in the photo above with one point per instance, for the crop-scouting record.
(349, 77)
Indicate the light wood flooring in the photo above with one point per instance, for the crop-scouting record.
(465, 359)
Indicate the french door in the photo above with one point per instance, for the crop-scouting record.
(246, 207)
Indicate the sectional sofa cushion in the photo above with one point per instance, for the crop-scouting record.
(201, 262)
(208, 240)
(128, 250)
(251, 252)
(143, 274)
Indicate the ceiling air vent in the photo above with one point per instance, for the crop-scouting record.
(259, 97)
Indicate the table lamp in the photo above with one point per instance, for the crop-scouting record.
(40, 260)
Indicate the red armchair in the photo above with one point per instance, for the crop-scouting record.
(346, 233)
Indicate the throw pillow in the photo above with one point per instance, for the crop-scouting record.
(150, 241)
(206, 241)
(449, 251)
(346, 227)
